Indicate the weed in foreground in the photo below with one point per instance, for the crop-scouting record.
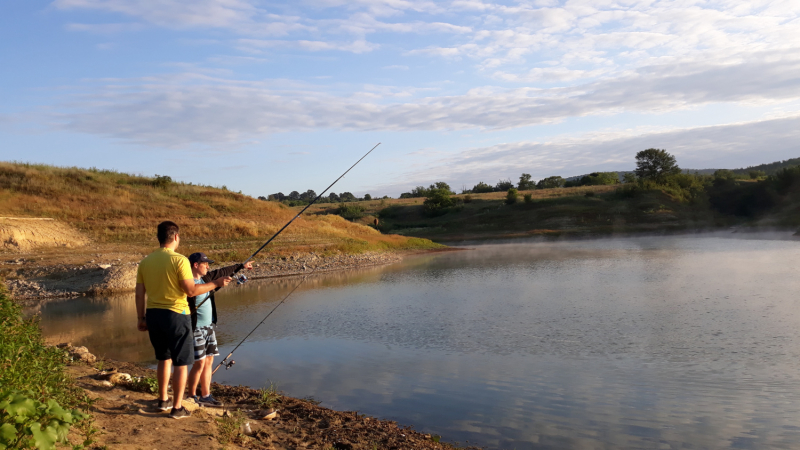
(268, 396)
(229, 428)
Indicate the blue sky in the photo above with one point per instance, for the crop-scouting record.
(280, 96)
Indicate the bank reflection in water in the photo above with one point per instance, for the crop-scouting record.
(682, 342)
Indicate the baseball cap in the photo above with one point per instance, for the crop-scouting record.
(199, 257)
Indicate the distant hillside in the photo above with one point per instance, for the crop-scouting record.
(769, 169)
(118, 208)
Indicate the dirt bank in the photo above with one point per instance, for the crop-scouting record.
(30, 281)
(21, 234)
(127, 419)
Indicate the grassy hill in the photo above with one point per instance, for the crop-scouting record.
(121, 211)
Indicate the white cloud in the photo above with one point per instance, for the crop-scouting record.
(181, 110)
(726, 146)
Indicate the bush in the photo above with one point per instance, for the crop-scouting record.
(511, 196)
(162, 181)
(467, 198)
(482, 188)
(528, 198)
(39, 401)
(438, 199)
(350, 212)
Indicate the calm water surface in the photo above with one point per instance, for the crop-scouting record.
(670, 342)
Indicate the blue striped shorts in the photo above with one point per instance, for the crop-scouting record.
(205, 342)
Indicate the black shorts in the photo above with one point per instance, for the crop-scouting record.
(171, 336)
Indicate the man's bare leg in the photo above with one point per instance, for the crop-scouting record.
(162, 375)
(205, 377)
(195, 376)
(178, 385)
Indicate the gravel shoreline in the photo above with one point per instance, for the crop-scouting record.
(31, 283)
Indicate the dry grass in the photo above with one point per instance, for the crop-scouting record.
(120, 209)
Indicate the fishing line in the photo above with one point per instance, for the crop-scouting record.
(225, 362)
(241, 281)
(232, 362)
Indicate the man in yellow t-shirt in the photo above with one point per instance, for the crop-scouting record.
(165, 279)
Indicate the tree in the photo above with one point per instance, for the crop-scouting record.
(261, 197)
(347, 197)
(655, 164)
(308, 195)
(550, 182)
(503, 185)
(294, 195)
(629, 177)
(481, 187)
(525, 182)
(756, 174)
(333, 197)
(441, 185)
(367, 197)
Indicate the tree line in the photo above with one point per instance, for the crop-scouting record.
(296, 198)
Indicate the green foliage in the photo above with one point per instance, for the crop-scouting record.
(467, 198)
(229, 428)
(511, 196)
(629, 177)
(503, 185)
(528, 198)
(756, 174)
(550, 183)
(268, 396)
(143, 384)
(422, 191)
(525, 182)
(38, 399)
(350, 212)
(29, 423)
(655, 164)
(481, 188)
(367, 197)
(595, 179)
(162, 181)
(437, 200)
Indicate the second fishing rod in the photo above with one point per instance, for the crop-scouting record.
(225, 362)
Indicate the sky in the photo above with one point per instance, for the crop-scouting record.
(275, 96)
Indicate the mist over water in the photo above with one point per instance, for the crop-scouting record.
(651, 342)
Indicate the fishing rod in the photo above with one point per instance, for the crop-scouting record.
(242, 279)
(225, 361)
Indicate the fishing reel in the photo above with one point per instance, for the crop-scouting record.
(240, 278)
(228, 364)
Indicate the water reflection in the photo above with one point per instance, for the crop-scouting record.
(677, 342)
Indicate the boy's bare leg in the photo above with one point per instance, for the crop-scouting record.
(195, 376)
(205, 377)
(162, 375)
(178, 386)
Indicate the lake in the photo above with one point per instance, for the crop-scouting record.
(644, 342)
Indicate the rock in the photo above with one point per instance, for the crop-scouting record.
(106, 383)
(117, 378)
(104, 266)
(268, 414)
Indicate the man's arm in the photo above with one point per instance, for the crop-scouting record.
(193, 290)
(227, 271)
(140, 321)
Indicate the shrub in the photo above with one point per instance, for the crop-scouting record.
(528, 198)
(162, 181)
(437, 200)
(350, 212)
(481, 188)
(467, 198)
(511, 196)
(28, 423)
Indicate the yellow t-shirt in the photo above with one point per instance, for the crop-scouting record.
(161, 273)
